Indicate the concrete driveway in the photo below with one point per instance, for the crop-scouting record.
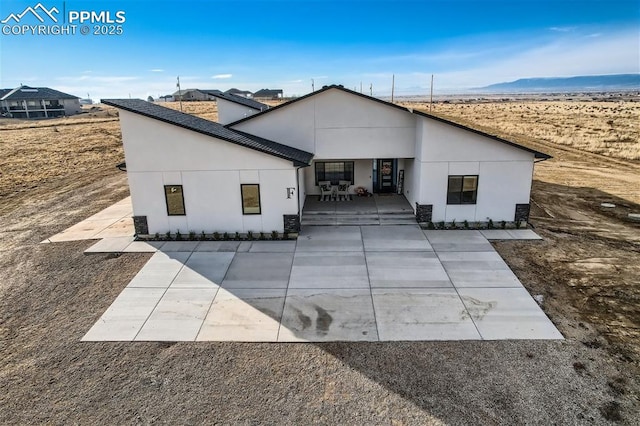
(335, 283)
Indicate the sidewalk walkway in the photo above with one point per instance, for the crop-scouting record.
(113, 222)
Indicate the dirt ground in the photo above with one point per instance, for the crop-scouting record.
(587, 268)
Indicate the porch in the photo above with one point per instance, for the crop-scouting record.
(379, 209)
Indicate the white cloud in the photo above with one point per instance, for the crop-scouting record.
(562, 29)
(108, 79)
(157, 70)
(220, 76)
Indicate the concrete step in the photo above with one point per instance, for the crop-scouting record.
(355, 214)
(358, 219)
(411, 221)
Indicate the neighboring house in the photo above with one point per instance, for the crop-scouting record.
(268, 94)
(238, 92)
(192, 95)
(232, 107)
(37, 102)
(166, 98)
(190, 174)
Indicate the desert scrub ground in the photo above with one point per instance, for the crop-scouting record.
(608, 128)
(207, 110)
(39, 156)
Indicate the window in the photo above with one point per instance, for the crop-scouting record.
(250, 198)
(175, 200)
(334, 171)
(462, 189)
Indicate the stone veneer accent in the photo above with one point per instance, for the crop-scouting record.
(424, 212)
(140, 225)
(522, 213)
(291, 223)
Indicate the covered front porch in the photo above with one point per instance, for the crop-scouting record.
(372, 175)
(378, 209)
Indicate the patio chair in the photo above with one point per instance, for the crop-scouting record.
(343, 189)
(326, 190)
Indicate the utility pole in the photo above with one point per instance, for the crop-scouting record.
(313, 85)
(370, 89)
(179, 93)
(393, 86)
(360, 87)
(431, 97)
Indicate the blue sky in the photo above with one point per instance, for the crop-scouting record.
(253, 44)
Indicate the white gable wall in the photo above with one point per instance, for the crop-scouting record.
(505, 173)
(228, 112)
(335, 125)
(293, 126)
(210, 172)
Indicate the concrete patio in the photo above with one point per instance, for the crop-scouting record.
(335, 283)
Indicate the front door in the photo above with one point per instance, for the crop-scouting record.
(385, 175)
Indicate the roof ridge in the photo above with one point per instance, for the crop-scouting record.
(314, 93)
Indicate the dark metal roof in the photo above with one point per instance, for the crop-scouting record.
(267, 93)
(187, 91)
(29, 93)
(210, 128)
(243, 101)
(371, 98)
(212, 92)
(235, 91)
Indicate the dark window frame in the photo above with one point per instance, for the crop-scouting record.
(344, 163)
(242, 185)
(457, 195)
(166, 201)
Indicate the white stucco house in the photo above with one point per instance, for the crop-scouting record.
(254, 171)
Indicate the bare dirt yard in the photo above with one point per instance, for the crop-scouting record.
(54, 173)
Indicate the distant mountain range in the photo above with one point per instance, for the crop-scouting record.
(583, 83)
